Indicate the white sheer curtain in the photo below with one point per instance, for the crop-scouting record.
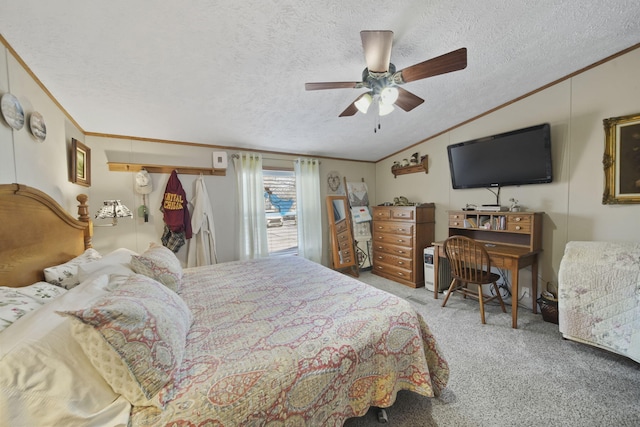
(308, 209)
(253, 226)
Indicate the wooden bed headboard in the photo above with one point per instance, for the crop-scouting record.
(36, 232)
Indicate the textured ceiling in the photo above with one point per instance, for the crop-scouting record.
(232, 72)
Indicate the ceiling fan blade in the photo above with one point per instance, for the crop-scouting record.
(452, 61)
(352, 109)
(330, 85)
(406, 100)
(377, 49)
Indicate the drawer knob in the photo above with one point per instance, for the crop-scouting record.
(455, 223)
(518, 218)
(518, 227)
(400, 263)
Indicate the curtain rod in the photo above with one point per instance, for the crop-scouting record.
(237, 156)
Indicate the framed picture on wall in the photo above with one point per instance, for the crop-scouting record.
(621, 160)
(80, 163)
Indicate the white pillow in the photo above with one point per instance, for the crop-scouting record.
(66, 275)
(45, 377)
(116, 262)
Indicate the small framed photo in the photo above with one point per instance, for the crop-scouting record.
(80, 163)
(621, 160)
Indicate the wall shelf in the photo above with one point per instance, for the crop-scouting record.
(403, 170)
(185, 170)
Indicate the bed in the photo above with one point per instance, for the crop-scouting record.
(277, 341)
(599, 295)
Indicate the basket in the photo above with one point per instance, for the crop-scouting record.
(549, 308)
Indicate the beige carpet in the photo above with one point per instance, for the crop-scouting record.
(504, 377)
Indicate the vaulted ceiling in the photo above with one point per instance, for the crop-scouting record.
(232, 72)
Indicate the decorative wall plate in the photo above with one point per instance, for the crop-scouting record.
(37, 126)
(12, 111)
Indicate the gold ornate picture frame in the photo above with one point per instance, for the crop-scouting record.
(621, 160)
(80, 163)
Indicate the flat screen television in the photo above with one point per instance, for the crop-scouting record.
(518, 157)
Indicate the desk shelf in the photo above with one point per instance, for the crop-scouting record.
(523, 229)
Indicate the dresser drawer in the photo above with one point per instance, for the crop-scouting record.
(393, 227)
(394, 213)
(346, 256)
(381, 212)
(344, 244)
(401, 251)
(456, 220)
(403, 214)
(341, 226)
(393, 271)
(394, 239)
(343, 237)
(393, 260)
(519, 223)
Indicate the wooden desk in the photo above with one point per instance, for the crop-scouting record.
(513, 241)
(512, 258)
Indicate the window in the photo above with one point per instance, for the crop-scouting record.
(280, 211)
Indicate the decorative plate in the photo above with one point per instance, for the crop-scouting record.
(37, 126)
(12, 111)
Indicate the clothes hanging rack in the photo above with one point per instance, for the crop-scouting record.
(183, 170)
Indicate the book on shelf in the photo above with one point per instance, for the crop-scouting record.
(471, 223)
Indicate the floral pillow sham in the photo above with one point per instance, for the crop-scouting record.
(66, 275)
(16, 302)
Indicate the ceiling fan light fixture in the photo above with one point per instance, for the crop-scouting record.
(389, 95)
(384, 109)
(364, 103)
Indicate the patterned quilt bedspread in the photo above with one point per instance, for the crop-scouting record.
(599, 295)
(284, 341)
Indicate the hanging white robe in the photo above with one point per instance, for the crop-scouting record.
(202, 248)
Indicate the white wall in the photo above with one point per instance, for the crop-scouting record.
(45, 166)
(137, 234)
(575, 109)
(23, 159)
(572, 203)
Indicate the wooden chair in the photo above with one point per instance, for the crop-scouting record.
(470, 265)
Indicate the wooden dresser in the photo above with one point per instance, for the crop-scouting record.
(400, 234)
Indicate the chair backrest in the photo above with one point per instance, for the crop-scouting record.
(469, 259)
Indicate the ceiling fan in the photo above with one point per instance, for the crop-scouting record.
(382, 79)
